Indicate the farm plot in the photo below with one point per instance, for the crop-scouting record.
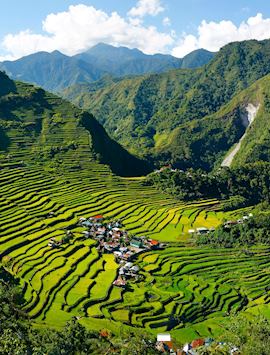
(76, 280)
(188, 291)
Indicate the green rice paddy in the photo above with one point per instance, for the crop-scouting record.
(185, 290)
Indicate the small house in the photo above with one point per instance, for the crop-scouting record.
(135, 269)
(98, 218)
(87, 224)
(230, 224)
(120, 282)
(137, 243)
(202, 230)
(128, 266)
(154, 243)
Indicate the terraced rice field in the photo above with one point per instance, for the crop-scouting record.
(189, 291)
(76, 280)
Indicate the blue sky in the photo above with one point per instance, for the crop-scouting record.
(168, 26)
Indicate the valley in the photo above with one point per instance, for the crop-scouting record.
(176, 152)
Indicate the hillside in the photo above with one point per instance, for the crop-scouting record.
(55, 71)
(52, 71)
(38, 127)
(183, 117)
(206, 142)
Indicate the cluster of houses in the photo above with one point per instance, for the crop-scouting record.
(227, 225)
(113, 239)
(165, 344)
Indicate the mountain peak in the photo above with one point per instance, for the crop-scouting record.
(57, 53)
(108, 49)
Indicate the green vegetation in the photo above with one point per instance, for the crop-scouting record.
(57, 165)
(39, 127)
(189, 118)
(191, 291)
(249, 335)
(254, 231)
(18, 337)
(75, 280)
(56, 71)
(239, 187)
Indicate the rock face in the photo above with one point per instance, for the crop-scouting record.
(247, 118)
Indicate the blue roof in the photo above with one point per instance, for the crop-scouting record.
(87, 224)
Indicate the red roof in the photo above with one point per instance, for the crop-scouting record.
(197, 343)
(154, 242)
(99, 216)
(104, 333)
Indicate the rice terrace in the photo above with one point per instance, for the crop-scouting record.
(134, 178)
(60, 283)
(185, 290)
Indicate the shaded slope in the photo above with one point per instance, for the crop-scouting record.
(38, 127)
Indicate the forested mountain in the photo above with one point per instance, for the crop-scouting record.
(56, 71)
(52, 71)
(122, 61)
(38, 127)
(188, 117)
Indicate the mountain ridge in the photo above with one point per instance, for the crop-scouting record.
(37, 127)
(146, 113)
(56, 71)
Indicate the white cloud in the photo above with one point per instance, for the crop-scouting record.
(146, 7)
(166, 21)
(7, 57)
(214, 35)
(81, 27)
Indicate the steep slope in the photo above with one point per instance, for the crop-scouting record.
(52, 71)
(37, 127)
(142, 113)
(247, 118)
(255, 146)
(236, 134)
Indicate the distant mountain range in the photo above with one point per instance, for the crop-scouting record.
(189, 118)
(56, 71)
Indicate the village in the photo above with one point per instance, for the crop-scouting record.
(111, 238)
(198, 346)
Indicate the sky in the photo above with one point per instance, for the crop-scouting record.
(174, 27)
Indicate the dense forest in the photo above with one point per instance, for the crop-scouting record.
(238, 187)
(255, 230)
(188, 118)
